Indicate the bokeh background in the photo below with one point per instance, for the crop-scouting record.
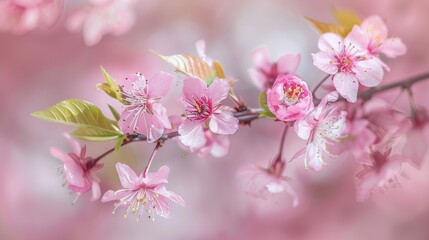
(43, 67)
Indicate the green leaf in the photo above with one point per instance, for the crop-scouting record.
(96, 134)
(91, 123)
(263, 103)
(110, 87)
(115, 113)
(119, 142)
(190, 65)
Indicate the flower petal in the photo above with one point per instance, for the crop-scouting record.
(369, 72)
(288, 63)
(218, 90)
(393, 47)
(223, 123)
(261, 59)
(194, 87)
(326, 62)
(127, 176)
(192, 134)
(159, 84)
(347, 86)
(331, 43)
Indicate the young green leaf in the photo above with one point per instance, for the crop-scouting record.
(115, 113)
(91, 123)
(119, 142)
(263, 103)
(110, 87)
(189, 65)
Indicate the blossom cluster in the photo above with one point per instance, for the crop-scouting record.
(342, 123)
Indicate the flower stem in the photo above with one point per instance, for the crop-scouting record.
(282, 143)
(404, 84)
(152, 156)
(319, 85)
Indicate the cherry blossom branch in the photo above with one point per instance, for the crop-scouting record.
(152, 156)
(319, 85)
(245, 117)
(404, 84)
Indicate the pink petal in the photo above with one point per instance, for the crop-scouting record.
(374, 26)
(357, 39)
(75, 145)
(220, 146)
(369, 72)
(258, 78)
(393, 47)
(160, 113)
(218, 90)
(64, 157)
(366, 186)
(77, 19)
(261, 59)
(313, 157)
(170, 195)
(160, 177)
(347, 86)
(192, 134)
(223, 123)
(326, 62)
(331, 43)
(96, 192)
(50, 13)
(288, 63)
(303, 128)
(93, 29)
(127, 176)
(113, 196)
(75, 177)
(159, 84)
(194, 87)
(415, 147)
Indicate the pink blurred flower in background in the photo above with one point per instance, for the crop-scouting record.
(266, 181)
(79, 170)
(376, 30)
(143, 194)
(324, 126)
(200, 45)
(289, 98)
(144, 112)
(349, 62)
(417, 137)
(21, 16)
(203, 109)
(383, 173)
(101, 17)
(265, 72)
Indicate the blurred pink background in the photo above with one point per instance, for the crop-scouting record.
(43, 67)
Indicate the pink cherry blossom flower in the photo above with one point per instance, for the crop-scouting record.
(21, 16)
(102, 17)
(215, 145)
(266, 181)
(144, 112)
(376, 30)
(417, 137)
(324, 126)
(265, 72)
(203, 110)
(79, 170)
(383, 173)
(357, 141)
(143, 194)
(349, 62)
(289, 98)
